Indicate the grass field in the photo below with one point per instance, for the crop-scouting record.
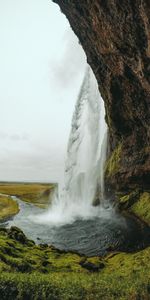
(36, 193)
(8, 207)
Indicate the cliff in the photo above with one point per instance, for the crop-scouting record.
(115, 36)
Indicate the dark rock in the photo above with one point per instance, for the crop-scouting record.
(115, 36)
(17, 234)
(3, 229)
(45, 263)
(91, 266)
(24, 267)
(43, 246)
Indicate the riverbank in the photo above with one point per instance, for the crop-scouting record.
(35, 193)
(8, 207)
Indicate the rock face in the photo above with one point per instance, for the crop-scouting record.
(116, 38)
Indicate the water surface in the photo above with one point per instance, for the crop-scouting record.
(95, 236)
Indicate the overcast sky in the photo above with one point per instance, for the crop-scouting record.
(41, 70)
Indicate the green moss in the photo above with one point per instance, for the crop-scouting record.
(127, 276)
(21, 254)
(8, 207)
(112, 164)
(127, 200)
(136, 203)
(141, 207)
(39, 272)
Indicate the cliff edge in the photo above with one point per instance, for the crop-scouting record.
(115, 36)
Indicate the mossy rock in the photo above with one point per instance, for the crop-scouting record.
(112, 164)
(136, 203)
(128, 199)
(21, 254)
(141, 208)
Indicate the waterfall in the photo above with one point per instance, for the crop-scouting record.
(83, 167)
(86, 155)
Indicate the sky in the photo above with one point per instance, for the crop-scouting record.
(42, 67)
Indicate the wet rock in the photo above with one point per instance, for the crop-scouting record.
(43, 246)
(90, 266)
(115, 36)
(17, 234)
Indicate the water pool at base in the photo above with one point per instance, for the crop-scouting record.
(91, 237)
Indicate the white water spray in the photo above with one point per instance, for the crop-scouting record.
(85, 159)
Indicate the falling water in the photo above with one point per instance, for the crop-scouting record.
(85, 158)
(72, 222)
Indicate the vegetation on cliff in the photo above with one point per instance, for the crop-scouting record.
(141, 207)
(112, 164)
(137, 203)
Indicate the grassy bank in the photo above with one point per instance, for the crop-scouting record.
(8, 207)
(36, 193)
(41, 272)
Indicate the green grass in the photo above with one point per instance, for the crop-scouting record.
(8, 207)
(36, 193)
(71, 287)
(28, 271)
